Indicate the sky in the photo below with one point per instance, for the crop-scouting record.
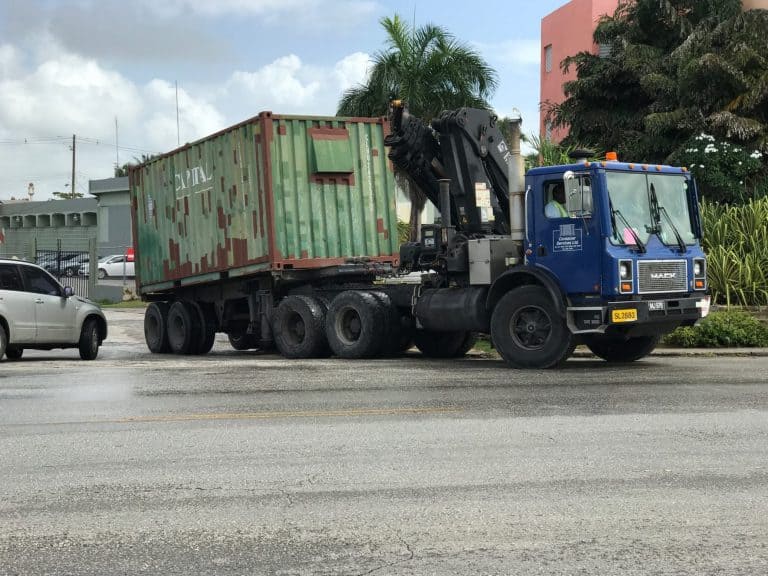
(107, 71)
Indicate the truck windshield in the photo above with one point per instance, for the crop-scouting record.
(632, 206)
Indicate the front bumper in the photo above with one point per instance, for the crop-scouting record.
(634, 316)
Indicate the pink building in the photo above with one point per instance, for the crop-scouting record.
(565, 32)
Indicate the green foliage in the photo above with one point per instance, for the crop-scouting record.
(403, 232)
(729, 328)
(724, 172)
(676, 69)
(428, 68)
(736, 243)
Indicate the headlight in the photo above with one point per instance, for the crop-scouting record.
(625, 270)
(697, 268)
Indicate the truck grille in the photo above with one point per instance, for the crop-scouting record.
(662, 276)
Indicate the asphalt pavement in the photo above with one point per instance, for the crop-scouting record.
(246, 463)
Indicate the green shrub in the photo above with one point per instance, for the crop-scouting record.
(728, 328)
(736, 244)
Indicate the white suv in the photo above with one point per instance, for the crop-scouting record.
(37, 312)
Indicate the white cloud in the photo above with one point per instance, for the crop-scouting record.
(352, 70)
(282, 83)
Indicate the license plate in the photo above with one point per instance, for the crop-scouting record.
(654, 306)
(628, 315)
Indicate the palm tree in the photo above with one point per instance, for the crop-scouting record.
(427, 68)
(431, 71)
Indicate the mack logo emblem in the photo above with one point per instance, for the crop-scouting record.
(663, 275)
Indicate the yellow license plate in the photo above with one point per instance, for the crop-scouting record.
(629, 315)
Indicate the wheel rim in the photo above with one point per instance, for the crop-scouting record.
(348, 325)
(296, 330)
(177, 323)
(530, 328)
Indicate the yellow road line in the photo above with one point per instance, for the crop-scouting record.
(286, 414)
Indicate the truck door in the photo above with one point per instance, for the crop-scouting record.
(566, 240)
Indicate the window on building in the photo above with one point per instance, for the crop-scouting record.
(548, 58)
(548, 131)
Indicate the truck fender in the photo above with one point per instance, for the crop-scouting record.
(526, 276)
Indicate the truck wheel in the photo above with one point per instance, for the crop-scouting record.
(615, 349)
(155, 327)
(207, 328)
(444, 344)
(14, 352)
(298, 327)
(354, 325)
(89, 340)
(183, 327)
(393, 329)
(527, 330)
(241, 341)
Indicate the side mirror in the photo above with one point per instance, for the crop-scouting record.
(578, 195)
(69, 291)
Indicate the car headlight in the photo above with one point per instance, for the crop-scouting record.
(697, 268)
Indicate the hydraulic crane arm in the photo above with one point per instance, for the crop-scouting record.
(465, 146)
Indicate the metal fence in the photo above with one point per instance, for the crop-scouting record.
(67, 267)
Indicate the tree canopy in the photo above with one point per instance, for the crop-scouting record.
(675, 69)
(425, 66)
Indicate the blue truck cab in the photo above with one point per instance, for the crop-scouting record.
(623, 247)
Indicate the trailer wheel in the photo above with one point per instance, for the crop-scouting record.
(241, 341)
(206, 335)
(183, 327)
(298, 327)
(527, 330)
(155, 327)
(443, 344)
(354, 325)
(616, 349)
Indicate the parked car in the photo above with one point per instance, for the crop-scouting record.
(72, 267)
(116, 265)
(63, 263)
(39, 313)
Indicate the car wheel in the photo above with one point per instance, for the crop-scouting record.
(13, 352)
(89, 340)
(3, 342)
(156, 327)
(101, 274)
(299, 327)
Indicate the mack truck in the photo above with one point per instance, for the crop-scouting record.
(281, 232)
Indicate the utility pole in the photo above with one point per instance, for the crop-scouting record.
(72, 190)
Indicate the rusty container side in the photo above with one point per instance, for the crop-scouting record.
(271, 193)
(197, 211)
(332, 191)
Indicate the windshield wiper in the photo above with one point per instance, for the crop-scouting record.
(638, 242)
(680, 241)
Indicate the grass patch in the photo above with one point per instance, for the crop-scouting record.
(124, 304)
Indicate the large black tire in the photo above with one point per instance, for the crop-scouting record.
(3, 342)
(14, 352)
(354, 325)
(183, 327)
(393, 326)
(616, 349)
(241, 341)
(89, 340)
(206, 334)
(155, 327)
(527, 330)
(298, 327)
(443, 344)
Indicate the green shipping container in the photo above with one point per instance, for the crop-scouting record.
(272, 193)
